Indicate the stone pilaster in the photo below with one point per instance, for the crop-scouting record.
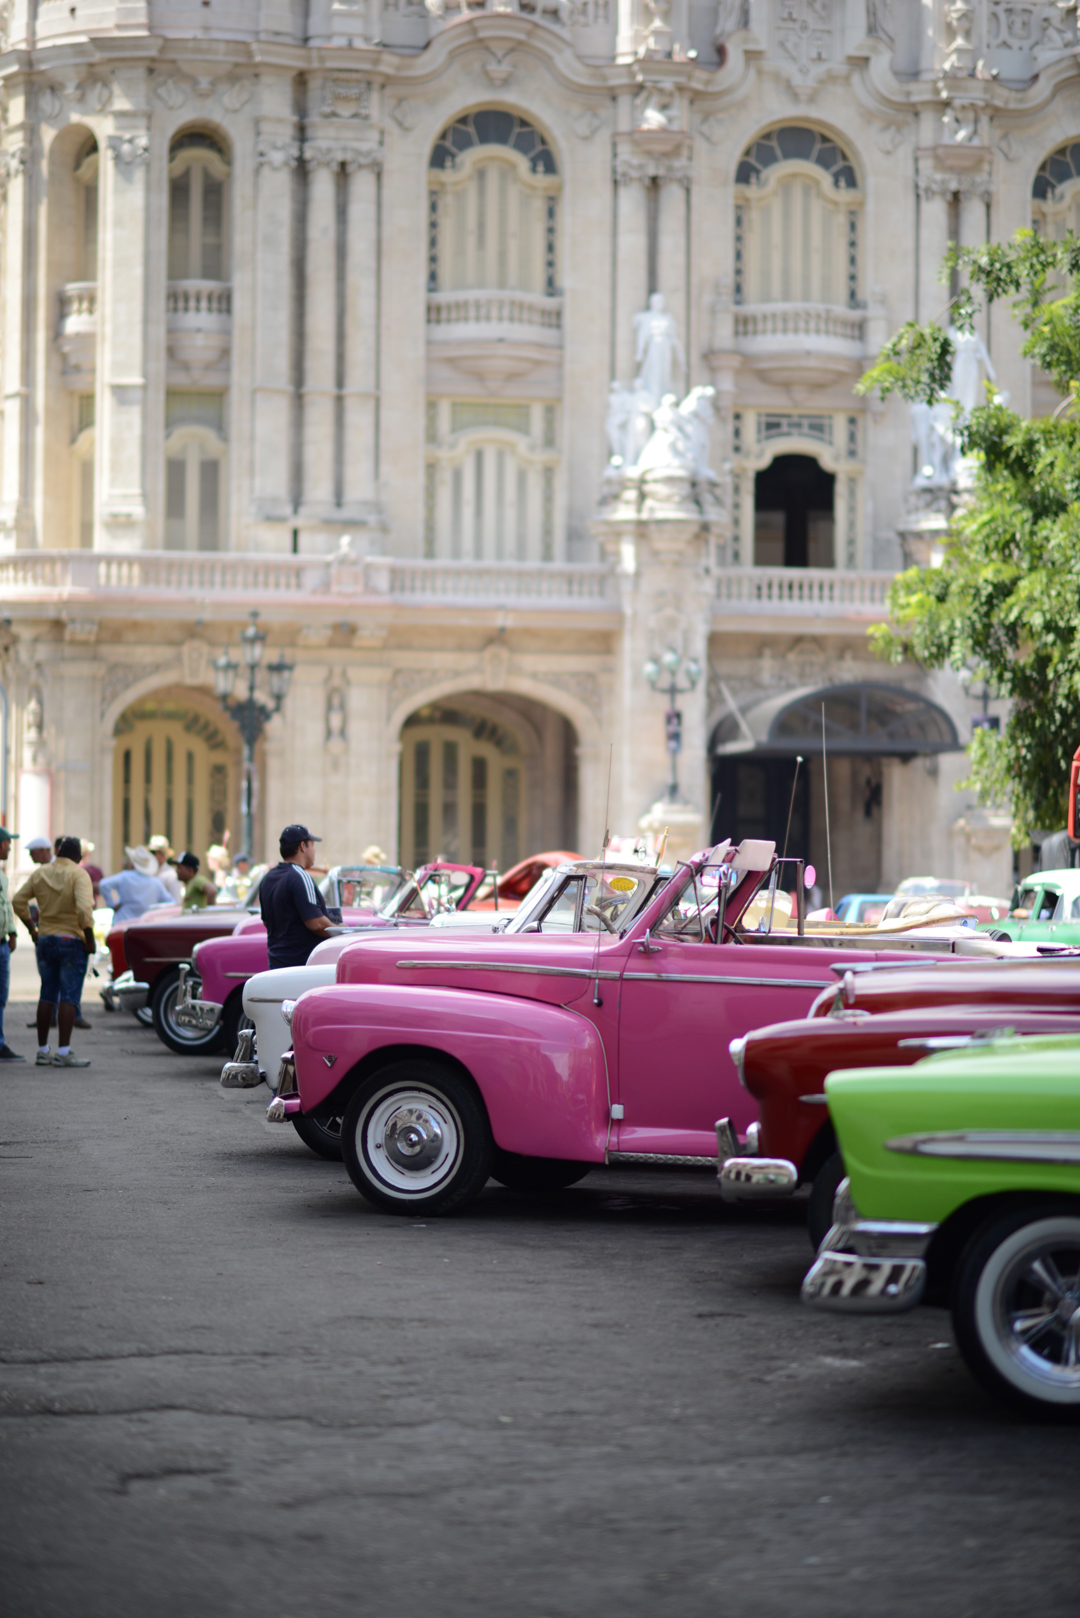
(16, 178)
(319, 387)
(277, 153)
(122, 517)
(361, 380)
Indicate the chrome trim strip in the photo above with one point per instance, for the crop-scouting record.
(821, 1100)
(847, 1284)
(674, 1159)
(702, 977)
(238, 974)
(266, 999)
(994, 1145)
(507, 966)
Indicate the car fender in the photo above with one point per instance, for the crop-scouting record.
(264, 995)
(225, 963)
(541, 1069)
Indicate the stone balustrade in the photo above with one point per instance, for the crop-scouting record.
(78, 303)
(76, 334)
(798, 320)
(806, 591)
(525, 315)
(198, 321)
(199, 300)
(813, 343)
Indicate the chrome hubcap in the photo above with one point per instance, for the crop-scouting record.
(410, 1141)
(1029, 1298)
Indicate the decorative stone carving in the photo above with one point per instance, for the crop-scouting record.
(405, 681)
(129, 151)
(404, 115)
(584, 688)
(879, 21)
(804, 35)
(950, 184)
(81, 631)
(171, 93)
(960, 57)
(1008, 146)
(50, 104)
(680, 436)
(889, 138)
(338, 155)
(657, 108)
(630, 167)
(236, 95)
(33, 749)
(712, 127)
(1022, 37)
(731, 15)
(587, 123)
(12, 164)
(196, 660)
(119, 676)
(336, 714)
(498, 69)
(495, 666)
(314, 635)
(346, 98)
(657, 346)
(277, 154)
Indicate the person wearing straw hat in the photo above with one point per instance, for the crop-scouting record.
(131, 892)
(159, 847)
(8, 940)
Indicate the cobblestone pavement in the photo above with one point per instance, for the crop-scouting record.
(230, 1387)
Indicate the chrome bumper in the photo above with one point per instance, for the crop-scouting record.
(242, 1073)
(282, 1108)
(743, 1178)
(868, 1266)
(125, 993)
(201, 1015)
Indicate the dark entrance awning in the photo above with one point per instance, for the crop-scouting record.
(861, 720)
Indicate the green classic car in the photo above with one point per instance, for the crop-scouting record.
(963, 1190)
(1045, 910)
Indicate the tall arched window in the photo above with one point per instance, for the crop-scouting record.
(493, 207)
(1055, 195)
(86, 222)
(797, 221)
(195, 462)
(198, 208)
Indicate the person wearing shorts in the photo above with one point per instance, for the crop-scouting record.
(64, 938)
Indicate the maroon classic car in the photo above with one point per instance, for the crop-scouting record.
(876, 1018)
(156, 946)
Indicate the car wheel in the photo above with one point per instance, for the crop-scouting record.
(822, 1192)
(323, 1135)
(185, 1041)
(1016, 1307)
(145, 1016)
(416, 1140)
(536, 1174)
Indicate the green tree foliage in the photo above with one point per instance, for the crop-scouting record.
(1005, 601)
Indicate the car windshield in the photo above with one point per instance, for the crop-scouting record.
(434, 895)
(1051, 898)
(1025, 900)
(359, 885)
(596, 899)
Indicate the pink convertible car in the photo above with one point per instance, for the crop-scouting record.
(533, 1057)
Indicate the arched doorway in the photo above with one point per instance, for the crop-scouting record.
(175, 773)
(486, 781)
(794, 524)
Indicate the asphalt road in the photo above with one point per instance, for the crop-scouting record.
(227, 1386)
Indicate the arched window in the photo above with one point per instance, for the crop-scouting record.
(491, 481)
(796, 221)
(198, 208)
(195, 462)
(493, 207)
(86, 221)
(1055, 195)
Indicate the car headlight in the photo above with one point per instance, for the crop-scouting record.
(737, 1050)
(287, 1009)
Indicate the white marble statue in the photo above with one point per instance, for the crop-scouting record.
(657, 346)
(965, 386)
(629, 424)
(935, 429)
(680, 437)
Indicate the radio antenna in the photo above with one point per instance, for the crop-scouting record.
(791, 805)
(825, 784)
(596, 1000)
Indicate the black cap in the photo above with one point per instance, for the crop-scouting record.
(191, 860)
(299, 834)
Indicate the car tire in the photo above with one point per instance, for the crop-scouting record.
(322, 1135)
(822, 1192)
(416, 1139)
(185, 1041)
(535, 1175)
(145, 1016)
(1023, 1267)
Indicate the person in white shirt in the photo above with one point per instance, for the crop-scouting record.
(129, 894)
(166, 875)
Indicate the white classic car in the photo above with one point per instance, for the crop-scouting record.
(614, 892)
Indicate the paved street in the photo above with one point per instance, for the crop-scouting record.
(230, 1387)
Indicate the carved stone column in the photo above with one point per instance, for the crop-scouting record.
(121, 518)
(16, 510)
(361, 381)
(277, 154)
(631, 257)
(319, 386)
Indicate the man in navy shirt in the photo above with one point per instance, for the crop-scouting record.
(292, 906)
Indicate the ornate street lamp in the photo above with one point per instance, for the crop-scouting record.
(664, 676)
(251, 715)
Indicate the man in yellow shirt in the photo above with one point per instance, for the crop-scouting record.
(64, 939)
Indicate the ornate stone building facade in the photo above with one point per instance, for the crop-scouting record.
(316, 309)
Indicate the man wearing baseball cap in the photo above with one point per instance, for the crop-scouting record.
(292, 906)
(199, 891)
(8, 940)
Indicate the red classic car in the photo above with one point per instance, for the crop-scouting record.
(872, 1019)
(534, 1057)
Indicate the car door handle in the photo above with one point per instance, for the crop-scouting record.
(647, 947)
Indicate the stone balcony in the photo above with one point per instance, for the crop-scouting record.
(811, 344)
(495, 336)
(76, 334)
(84, 584)
(198, 322)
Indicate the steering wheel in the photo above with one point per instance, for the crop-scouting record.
(594, 910)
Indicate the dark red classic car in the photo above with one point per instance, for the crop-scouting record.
(872, 1019)
(147, 954)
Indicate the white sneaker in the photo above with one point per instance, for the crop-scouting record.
(70, 1060)
(44, 1059)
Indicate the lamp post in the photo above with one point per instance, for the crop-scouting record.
(664, 676)
(249, 713)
